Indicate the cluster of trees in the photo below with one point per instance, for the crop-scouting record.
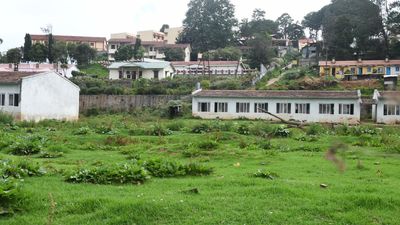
(211, 25)
(126, 52)
(52, 51)
(357, 28)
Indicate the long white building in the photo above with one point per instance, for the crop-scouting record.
(304, 106)
(387, 108)
(38, 96)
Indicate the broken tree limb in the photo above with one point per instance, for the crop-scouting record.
(298, 124)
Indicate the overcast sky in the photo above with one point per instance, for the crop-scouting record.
(100, 18)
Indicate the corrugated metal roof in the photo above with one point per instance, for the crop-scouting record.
(279, 94)
(360, 63)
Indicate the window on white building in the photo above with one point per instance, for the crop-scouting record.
(221, 107)
(112, 46)
(283, 108)
(397, 68)
(302, 108)
(203, 107)
(346, 109)
(327, 109)
(2, 99)
(156, 74)
(260, 107)
(13, 100)
(120, 74)
(128, 74)
(242, 107)
(391, 110)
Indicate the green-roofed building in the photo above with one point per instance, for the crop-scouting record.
(148, 69)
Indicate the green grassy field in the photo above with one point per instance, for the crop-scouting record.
(365, 192)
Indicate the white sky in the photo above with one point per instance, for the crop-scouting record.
(101, 18)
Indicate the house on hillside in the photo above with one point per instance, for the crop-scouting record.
(210, 67)
(387, 107)
(148, 69)
(150, 35)
(41, 68)
(153, 49)
(38, 96)
(359, 69)
(304, 106)
(98, 43)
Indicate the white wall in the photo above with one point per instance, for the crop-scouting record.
(49, 96)
(147, 74)
(10, 89)
(314, 115)
(388, 119)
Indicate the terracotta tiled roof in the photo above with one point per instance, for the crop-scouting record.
(279, 94)
(68, 38)
(13, 77)
(361, 63)
(391, 95)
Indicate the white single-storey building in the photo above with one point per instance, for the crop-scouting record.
(304, 106)
(148, 69)
(387, 108)
(38, 96)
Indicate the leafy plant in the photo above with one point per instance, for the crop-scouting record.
(208, 145)
(265, 174)
(201, 128)
(243, 129)
(159, 130)
(82, 131)
(28, 145)
(282, 131)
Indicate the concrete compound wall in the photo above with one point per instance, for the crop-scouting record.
(123, 102)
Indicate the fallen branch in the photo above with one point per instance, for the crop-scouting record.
(298, 124)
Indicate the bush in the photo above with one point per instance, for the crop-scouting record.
(243, 129)
(315, 129)
(120, 174)
(282, 131)
(163, 168)
(118, 141)
(28, 145)
(265, 144)
(105, 130)
(196, 169)
(201, 128)
(208, 145)
(9, 193)
(19, 169)
(175, 125)
(158, 130)
(261, 129)
(6, 118)
(265, 174)
(82, 131)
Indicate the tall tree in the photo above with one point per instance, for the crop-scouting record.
(124, 53)
(60, 52)
(14, 56)
(313, 21)
(284, 22)
(208, 24)
(258, 24)
(261, 51)
(164, 27)
(84, 54)
(50, 46)
(39, 53)
(27, 48)
(138, 50)
(295, 31)
(174, 54)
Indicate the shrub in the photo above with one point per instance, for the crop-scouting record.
(105, 130)
(243, 144)
(282, 131)
(158, 130)
(196, 169)
(175, 125)
(261, 129)
(6, 118)
(82, 131)
(50, 155)
(191, 153)
(163, 168)
(367, 140)
(265, 174)
(208, 145)
(265, 144)
(315, 129)
(243, 129)
(218, 125)
(201, 128)
(28, 145)
(19, 169)
(9, 193)
(127, 173)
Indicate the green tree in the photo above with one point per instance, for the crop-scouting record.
(60, 52)
(164, 27)
(124, 53)
(14, 56)
(284, 22)
(83, 54)
(228, 53)
(50, 46)
(174, 54)
(39, 53)
(312, 21)
(261, 51)
(295, 31)
(208, 25)
(27, 48)
(138, 50)
(258, 24)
